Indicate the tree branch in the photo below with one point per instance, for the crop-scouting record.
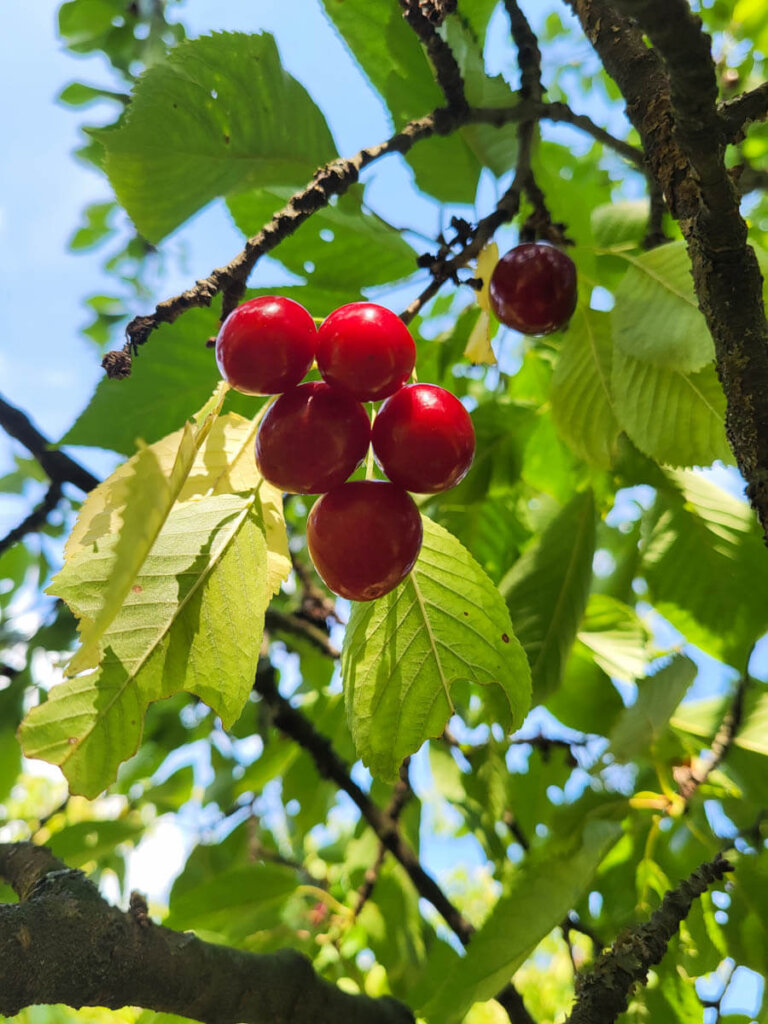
(602, 994)
(334, 179)
(59, 467)
(740, 112)
(689, 777)
(671, 94)
(293, 723)
(423, 16)
(401, 794)
(35, 519)
(64, 944)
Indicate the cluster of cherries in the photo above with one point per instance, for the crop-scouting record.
(364, 536)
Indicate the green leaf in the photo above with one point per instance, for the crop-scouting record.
(83, 20)
(10, 761)
(547, 589)
(582, 403)
(552, 879)
(192, 618)
(617, 638)
(164, 389)
(234, 903)
(96, 229)
(133, 505)
(707, 567)
(390, 55)
(641, 725)
(78, 94)
(702, 718)
(616, 224)
(342, 242)
(87, 841)
(656, 317)
(403, 653)
(219, 115)
(612, 641)
(676, 418)
(495, 148)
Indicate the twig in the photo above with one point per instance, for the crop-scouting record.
(440, 54)
(294, 724)
(59, 467)
(334, 179)
(689, 777)
(35, 519)
(602, 993)
(738, 113)
(276, 620)
(400, 797)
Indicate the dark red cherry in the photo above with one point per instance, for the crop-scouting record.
(364, 538)
(533, 288)
(266, 345)
(366, 350)
(311, 439)
(423, 438)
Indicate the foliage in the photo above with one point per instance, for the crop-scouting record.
(588, 563)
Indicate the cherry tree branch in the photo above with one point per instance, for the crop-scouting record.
(294, 724)
(401, 794)
(603, 993)
(59, 467)
(334, 179)
(737, 114)
(423, 16)
(36, 518)
(689, 777)
(671, 94)
(62, 943)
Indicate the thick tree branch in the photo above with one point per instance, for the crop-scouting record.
(36, 518)
(671, 94)
(59, 467)
(62, 943)
(603, 993)
(334, 179)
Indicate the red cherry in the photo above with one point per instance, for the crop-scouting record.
(533, 288)
(365, 349)
(311, 439)
(423, 439)
(364, 538)
(266, 345)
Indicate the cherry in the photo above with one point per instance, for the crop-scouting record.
(423, 439)
(311, 439)
(266, 345)
(364, 538)
(533, 288)
(365, 349)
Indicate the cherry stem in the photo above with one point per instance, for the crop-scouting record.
(369, 461)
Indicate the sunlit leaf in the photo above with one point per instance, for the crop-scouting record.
(404, 652)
